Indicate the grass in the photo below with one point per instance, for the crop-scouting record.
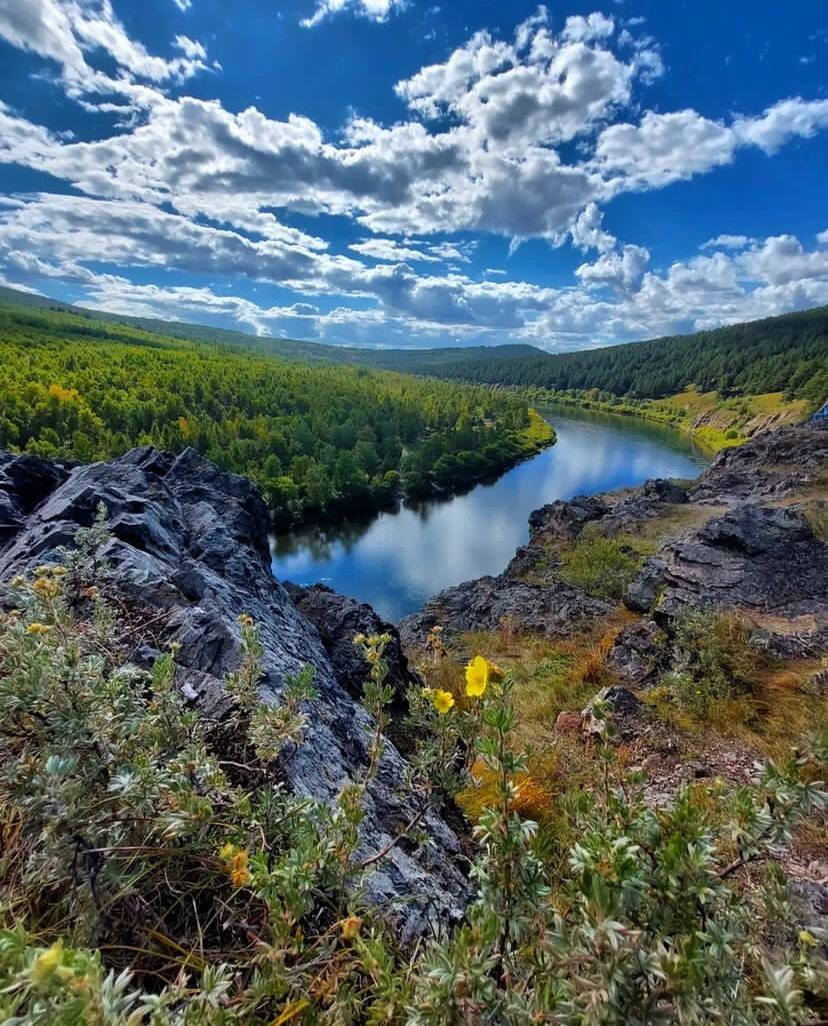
(540, 432)
(604, 567)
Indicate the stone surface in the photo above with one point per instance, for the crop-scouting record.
(626, 711)
(639, 654)
(339, 619)
(190, 545)
(753, 557)
(25, 481)
(770, 466)
(496, 603)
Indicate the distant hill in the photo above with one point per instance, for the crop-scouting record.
(294, 349)
(786, 354)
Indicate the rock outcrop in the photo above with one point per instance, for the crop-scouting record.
(190, 544)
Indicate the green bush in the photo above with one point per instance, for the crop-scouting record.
(154, 873)
(604, 567)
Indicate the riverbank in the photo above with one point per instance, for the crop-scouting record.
(713, 422)
(396, 560)
(697, 610)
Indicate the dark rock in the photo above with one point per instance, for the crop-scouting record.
(639, 654)
(771, 465)
(25, 481)
(492, 603)
(338, 619)
(190, 546)
(626, 713)
(753, 557)
(642, 594)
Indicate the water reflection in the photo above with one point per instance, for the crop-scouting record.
(397, 560)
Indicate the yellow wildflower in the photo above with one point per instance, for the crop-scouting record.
(245, 619)
(350, 927)
(38, 628)
(359, 639)
(46, 587)
(807, 939)
(239, 871)
(235, 863)
(47, 962)
(477, 677)
(58, 571)
(442, 701)
(42, 571)
(18, 581)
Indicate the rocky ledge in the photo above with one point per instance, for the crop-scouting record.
(740, 537)
(189, 545)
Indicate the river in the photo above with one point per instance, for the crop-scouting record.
(397, 560)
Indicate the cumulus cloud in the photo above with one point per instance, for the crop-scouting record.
(527, 137)
(621, 270)
(73, 33)
(374, 10)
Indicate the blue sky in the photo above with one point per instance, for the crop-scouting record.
(397, 172)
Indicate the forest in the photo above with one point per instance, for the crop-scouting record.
(779, 354)
(319, 440)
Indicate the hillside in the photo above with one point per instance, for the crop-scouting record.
(779, 354)
(787, 354)
(321, 440)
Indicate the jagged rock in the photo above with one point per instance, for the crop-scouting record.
(639, 654)
(338, 619)
(490, 603)
(770, 466)
(190, 545)
(753, 557)
(25, 481)
(642, 594)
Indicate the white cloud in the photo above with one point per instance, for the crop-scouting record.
(822, 237)
(374, 10)
(587, 232)
(183, 5)
(516, 138)
(621, 270)
(728, 242)
(72, 33)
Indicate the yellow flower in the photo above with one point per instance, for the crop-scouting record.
(18, 581)
(442, 701)
(46, 587)
(38, 628)
(235, 864)
(807, 939)
(47, 962)
(359, 639)
(477, 677)
(350, 927)
(245, 619)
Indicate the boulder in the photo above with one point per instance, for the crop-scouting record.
(753, 557)
(639, 654)
(339, 619)
(491, 603)
(190, 548)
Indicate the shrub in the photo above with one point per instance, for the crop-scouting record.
(152, 876)
(714, 661)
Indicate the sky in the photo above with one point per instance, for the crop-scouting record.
(405, 173)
